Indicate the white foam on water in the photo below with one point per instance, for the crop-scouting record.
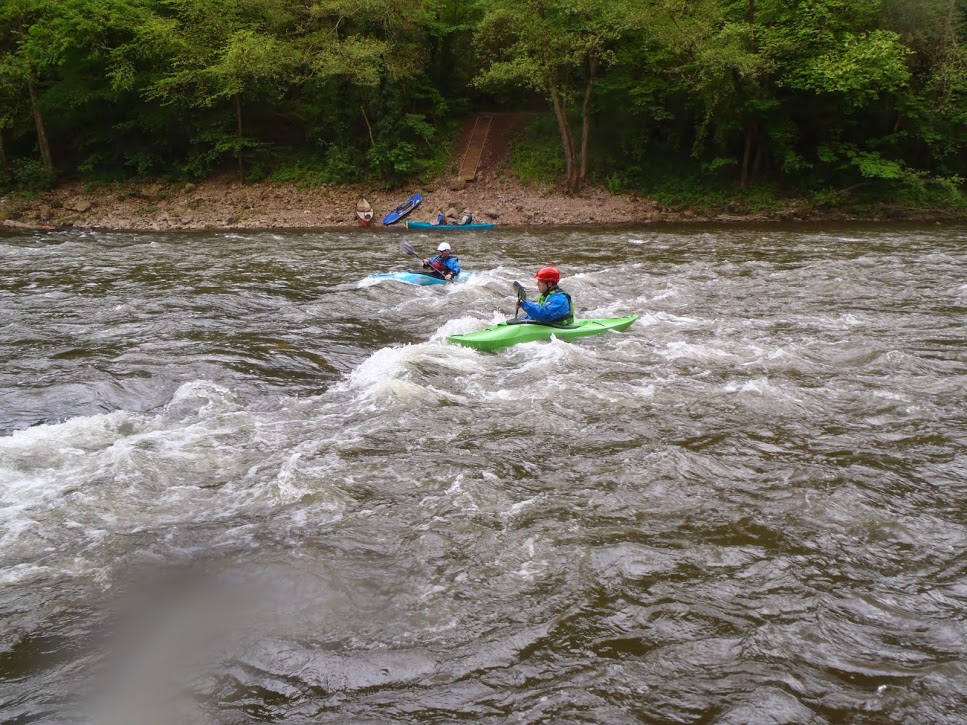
(677, 350)
(679, 321)
(65, 488)
(209, 398)
(22, 573)
(520, 507)
(760, 386)
(463, 325)
(367, 282)
(384, 375)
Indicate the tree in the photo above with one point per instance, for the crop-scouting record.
(835, 55)
(711, 50)
(59, 56)
(219, 51)
(556, 48)
(26, 60)
(366, 62)
(935, 109)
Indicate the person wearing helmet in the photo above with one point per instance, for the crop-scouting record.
(444, 263)
(554, 305)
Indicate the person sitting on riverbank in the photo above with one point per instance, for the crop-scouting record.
(554, 306)
(444, 263)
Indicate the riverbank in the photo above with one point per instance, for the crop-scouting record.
(226, 204)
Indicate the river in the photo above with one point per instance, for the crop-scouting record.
(242, 481)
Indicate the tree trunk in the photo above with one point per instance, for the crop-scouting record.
(372, 141)
(3, 152)
(560, 109)
(567, 138)
(586, 122)
(751, 126)
(42, 142)
(750, 134)
(238, 118)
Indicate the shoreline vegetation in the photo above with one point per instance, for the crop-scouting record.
(224, 204)
(226, 115)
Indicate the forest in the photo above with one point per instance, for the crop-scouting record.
(830, 99)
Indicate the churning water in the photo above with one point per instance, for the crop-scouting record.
(241, 481)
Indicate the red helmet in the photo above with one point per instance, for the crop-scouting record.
(549, 274)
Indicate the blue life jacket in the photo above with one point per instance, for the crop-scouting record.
(548, 308)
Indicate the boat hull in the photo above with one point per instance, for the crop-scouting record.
(403, 209)
(513, 332)
(364, 212)
(420, 278)
(447, 227)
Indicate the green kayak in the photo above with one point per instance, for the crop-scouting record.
(513, 332)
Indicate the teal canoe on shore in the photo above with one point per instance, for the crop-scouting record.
(514, 332)
(447, 227)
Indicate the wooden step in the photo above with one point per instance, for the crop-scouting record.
(475, 147)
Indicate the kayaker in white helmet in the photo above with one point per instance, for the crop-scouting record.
(443, 262)
(554, 305)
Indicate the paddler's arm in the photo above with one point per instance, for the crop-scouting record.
(554, 309)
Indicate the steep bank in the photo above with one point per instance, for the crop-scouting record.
(226, 204)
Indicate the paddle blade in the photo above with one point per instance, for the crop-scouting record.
(407, 248)
(521, 295)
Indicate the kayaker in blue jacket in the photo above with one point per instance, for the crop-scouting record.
(445, 263)
(554, 305)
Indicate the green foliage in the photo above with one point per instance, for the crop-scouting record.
(535, 154)
(938, 193)
(212, 151)
(337, 165)
(617, 182)
(30, 175)
(395, 160)
(848, 99)
(860, 67)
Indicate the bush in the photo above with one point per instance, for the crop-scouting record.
(536, 155)
(30, 175)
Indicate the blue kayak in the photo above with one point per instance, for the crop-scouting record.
(403, 209)
(417, 277)
(447, 227)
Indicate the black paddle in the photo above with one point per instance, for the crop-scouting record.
(405, 246)
(521, 295)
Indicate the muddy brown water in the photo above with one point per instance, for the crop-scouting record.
(241, 481)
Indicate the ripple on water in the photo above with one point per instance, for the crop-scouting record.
(306, 505)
